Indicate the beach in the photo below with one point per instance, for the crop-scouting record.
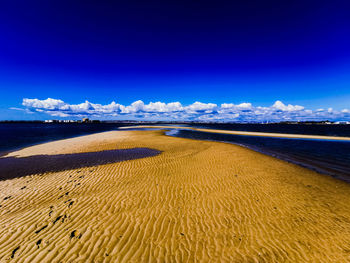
(177, 200)
(246, 133)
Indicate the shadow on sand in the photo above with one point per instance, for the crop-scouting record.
(12, 167)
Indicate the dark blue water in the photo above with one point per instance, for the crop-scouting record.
(18, 135)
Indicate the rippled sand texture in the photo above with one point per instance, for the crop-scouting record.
(196, 201)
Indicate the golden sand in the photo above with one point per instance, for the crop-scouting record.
(247, 133)
(197, 201)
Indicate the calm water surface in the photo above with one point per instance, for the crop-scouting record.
(18, 135)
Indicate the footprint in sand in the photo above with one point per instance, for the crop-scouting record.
(57, 219)
(38, 243)
(70, 204)
(14, 251)
(38, 231)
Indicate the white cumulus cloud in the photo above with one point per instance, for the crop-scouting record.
(281, 106)
(278, 111)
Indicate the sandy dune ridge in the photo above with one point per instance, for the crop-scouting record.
(197, 201)
(247, 133)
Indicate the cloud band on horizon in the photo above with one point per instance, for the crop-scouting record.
(176, 111)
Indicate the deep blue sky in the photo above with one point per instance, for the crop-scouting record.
(208, 51)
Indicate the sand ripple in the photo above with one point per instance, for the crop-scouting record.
(195, 202)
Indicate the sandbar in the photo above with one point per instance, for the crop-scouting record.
(195, 201)
(247, 133)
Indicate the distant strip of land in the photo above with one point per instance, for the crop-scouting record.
(247, 133)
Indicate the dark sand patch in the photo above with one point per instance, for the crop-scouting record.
(12, 167)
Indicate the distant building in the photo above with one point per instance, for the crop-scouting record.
(86, 120)
(342, 122)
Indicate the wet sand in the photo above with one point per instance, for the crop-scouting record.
(195, 201)
(12, 167)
